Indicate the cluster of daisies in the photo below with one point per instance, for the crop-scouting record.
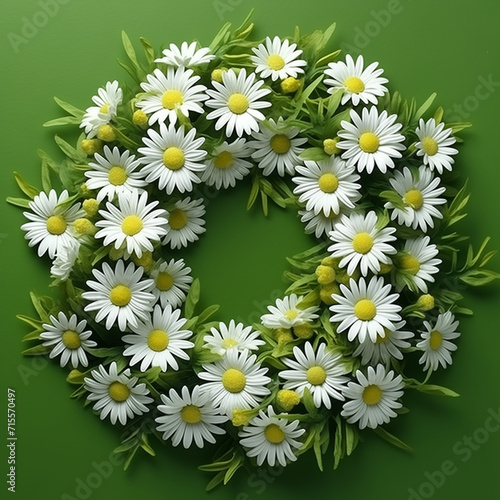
(367, 177)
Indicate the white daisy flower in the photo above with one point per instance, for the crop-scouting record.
(120, 295)
(434, 145)
(321, 224)
(170, 94)
(416, 264)
(173, 158)
(371, 140)
(114, 173)
(435, 343)
(237, 102)
(117, 395)
(106, 103)
(271, 439)
(374, 398)
(321, 372)
(360, 244)
(228, 164)
(358, 84)
(67, 338)
(189, 417)
(159, 340)
(237, 381)
(185, 223)
(51, 223)
(277, 59)
(287, 314)
(420, 193)
(187, 55)
(134, 226)
(277, 147)
(384, 348)
(327, 185)
(365, 310)
(232, 336)
(65, 259)
(172, 281)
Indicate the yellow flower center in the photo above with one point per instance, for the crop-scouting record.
(372, 394)
(178, 219)
(120, 295)
(280, 144)
(409, 264)
(191, 414)
(234, 380)
(56, 224)
(238, 103)
(164, 281)
(172, 98)
(430, 146)
(275, 62)
(328, 183)
(71, 339)
(291, 314)
(118, 391)
(365, 310)
(368, 142)
(158, 340)
(274, 434)
(228, 343)
(104, 108)
(173, 158)
(362, 243)
(435, 340)
(414, 199)
(131, 225)
(117, 175)
(316, 375)
(354, 84)
(223, 160)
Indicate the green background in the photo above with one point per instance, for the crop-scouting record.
(424, 46)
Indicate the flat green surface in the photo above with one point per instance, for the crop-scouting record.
(68, 49)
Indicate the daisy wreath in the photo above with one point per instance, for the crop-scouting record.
(371, 176)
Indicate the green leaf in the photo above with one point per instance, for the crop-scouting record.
(391, 439)
(206, 313)
(192, 299)
(18, 202)
(130, 51)
(313, 154)
(45, 173)
(26, 188)
(215, 481)
(72, 110)
(437, 390)
(38, 350)
(425, 106)
(61, 122)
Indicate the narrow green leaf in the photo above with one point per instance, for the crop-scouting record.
(72, 110)
(192, 299)
(18, 202)
(61, 122)
(390, 438)
(437, 390)
(25, 187)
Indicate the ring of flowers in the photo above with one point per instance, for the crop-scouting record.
(371, 179)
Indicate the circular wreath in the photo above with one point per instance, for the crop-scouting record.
(376, 299)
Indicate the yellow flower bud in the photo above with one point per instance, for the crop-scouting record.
(303, 331)
(217, 74)
(425, 302)
(283, 336)
(140, 118)
(91, 146)
(290, 85)
(84, 226)
(106, 133)
(287, 399)
(146, 260)
(326, 292)
(240, 417)
(115, 253)
(91, 206)
(385, 268)
(330, 146)
(325, 274)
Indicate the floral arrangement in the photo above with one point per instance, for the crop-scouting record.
(371, 177)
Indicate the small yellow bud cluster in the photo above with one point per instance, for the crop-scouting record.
(303, 331)
(425, 302)
(283, 336)
(140, 118)
(106, 133)
(84, 226)
(217, 74)
(91, 146)
(91, 206)
(146, 261)
(287, 399)
(290, 85)
(330, 146)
